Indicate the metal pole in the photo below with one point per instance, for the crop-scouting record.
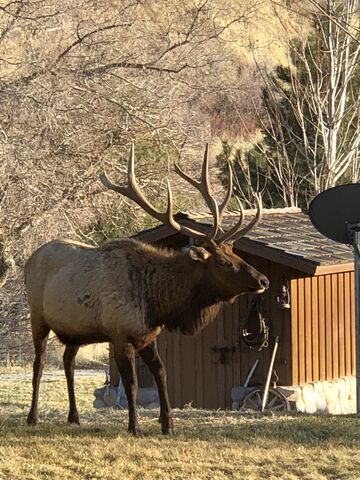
(268, 379)
(356, 244)
(253, 368)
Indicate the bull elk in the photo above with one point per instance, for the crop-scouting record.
(126, 292)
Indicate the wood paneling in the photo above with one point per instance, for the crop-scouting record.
(322, 327)
(341, 322)
(348, 320)
(335, 324)
(178, 374)
(321, 322)
(236, 331)
(308, 330)
(328, 329)
(301, 327)
(211, 366)
(352, 307)
(294, 332)
(199, 372)
(315, 329)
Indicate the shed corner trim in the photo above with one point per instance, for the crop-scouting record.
(335, 268)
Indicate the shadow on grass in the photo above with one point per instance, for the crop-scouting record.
(296, 429)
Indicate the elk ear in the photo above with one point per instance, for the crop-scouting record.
(199, 253)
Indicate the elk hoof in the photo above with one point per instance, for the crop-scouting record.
(32, 419)
(135, 432)
(167, 425)
(74, 418)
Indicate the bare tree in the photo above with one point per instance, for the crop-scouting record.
(350, 29)
(79, 81)
(312, 122)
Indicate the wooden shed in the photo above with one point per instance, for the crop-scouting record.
(309, 305)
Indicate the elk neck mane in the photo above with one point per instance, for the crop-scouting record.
(170, 287)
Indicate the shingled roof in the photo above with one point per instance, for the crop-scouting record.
(285, 236)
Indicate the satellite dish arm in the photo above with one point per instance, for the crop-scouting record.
(353, 230)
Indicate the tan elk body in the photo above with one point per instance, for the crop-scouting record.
(126, 291)
(81, 292)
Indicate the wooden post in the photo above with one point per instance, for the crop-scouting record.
(355, 228)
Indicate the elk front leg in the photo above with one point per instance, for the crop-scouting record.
(125, 361)
(69, 367)
(150, 356)
(40, 336)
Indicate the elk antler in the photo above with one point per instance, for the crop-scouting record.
(204, 188)
(229, 192)
(132, 191)
(236, 232)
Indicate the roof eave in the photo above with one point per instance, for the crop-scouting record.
(253, 247)
(275, 255)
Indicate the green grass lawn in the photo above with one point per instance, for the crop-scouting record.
(206, 445)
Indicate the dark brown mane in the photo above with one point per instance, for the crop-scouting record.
(173, 298)
(138, 246)
(192, 320)
(170, 295)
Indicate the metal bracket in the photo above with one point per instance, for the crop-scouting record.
(223, 351)
(353, 230)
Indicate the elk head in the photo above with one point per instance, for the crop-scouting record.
(226, 274)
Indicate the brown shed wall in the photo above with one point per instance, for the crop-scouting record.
(323, 322)
(196, 374)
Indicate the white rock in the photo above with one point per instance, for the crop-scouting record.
(343, 390)
(300, 405)
(110, 396)
(321, 405)
(147, 395)
(98, 403)
(332, 393)
(308, 394)
(99, 392)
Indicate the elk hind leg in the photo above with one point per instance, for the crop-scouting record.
(40, 336)
(151, 357)
(125, 361)
(69, 367)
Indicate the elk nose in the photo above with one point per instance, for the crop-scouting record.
(264, 282)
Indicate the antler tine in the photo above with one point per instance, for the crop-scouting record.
(204, 188)
(229, 192)
(134, 189)
(235, 232)
(133, 192)
(168, 218)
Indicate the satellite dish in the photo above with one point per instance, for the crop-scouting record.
(334, 210)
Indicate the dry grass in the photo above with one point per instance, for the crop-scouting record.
(94, 354)
(207, 445)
